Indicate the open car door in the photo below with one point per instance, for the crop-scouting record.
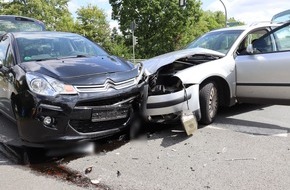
(263, 75)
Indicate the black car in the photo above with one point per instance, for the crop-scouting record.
(61, 87)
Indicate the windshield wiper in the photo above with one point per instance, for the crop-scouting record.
(43, 59)
(73, 56)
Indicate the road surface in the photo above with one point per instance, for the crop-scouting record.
(247, 147)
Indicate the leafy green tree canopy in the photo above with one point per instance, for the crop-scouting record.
(118, 46)
(92, 23)
(161, 24)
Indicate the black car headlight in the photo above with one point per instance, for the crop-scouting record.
(141, 72)
(47, 86)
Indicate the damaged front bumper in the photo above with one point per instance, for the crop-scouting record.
(85, 117)
(166, 108)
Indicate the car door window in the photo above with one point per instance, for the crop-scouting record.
(249, 39)
(278, 38)
(9, 59)
(282, 39)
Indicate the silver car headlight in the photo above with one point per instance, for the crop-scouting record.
(47, 86)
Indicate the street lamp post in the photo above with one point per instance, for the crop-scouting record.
(133, 27)
(226, 15)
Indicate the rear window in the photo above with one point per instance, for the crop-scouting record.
(19, 24)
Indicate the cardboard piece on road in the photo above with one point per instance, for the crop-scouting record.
(189, 122)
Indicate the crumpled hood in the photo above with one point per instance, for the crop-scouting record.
(153, 64)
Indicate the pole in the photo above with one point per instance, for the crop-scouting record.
(226, 14)
(133, 27)
(133, 42)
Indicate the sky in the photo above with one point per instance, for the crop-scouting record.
(247, 11)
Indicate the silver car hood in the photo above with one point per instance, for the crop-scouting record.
(153, 64)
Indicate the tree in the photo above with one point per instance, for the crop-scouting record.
(161, 24)
(92, 23)
(118, 46)
(54, 13)
(209, 21)
(233, 22)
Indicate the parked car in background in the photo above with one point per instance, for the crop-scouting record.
(13, 23)
(61, 87)
(221, 68)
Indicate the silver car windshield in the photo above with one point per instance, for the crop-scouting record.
(220, 41)
(40, 46)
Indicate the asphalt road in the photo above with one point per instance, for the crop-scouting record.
(248, 147)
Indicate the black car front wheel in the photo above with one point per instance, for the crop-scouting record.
(208, 98)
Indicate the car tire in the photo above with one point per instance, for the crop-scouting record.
(208, 98)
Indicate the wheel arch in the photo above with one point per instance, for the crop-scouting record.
(14, 101)
(223, 89)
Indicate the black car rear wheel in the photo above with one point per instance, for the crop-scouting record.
(208, 98)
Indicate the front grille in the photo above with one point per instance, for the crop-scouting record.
(105, 114)
(108, 84)
(107, 101)
(86, 126)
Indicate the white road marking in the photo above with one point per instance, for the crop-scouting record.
(253, 130)
(281, 135)
(214, 127)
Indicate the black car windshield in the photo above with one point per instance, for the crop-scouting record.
(220, 41)
(38, 46)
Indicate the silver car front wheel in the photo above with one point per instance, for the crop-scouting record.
(208, 98)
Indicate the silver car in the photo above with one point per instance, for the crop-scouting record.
(239, 64)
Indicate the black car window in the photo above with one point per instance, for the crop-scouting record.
(9, 59)
(4, 44)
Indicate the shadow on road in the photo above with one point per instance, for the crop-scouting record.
(239, 109)
(170, 134)
(246, 126)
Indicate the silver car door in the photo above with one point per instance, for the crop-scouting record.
(263, 77)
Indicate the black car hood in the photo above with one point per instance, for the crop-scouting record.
(84, 70)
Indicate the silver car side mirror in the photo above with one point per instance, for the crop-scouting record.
(1, 64)
(250, 49)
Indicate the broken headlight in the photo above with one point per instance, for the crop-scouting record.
(141, 73)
